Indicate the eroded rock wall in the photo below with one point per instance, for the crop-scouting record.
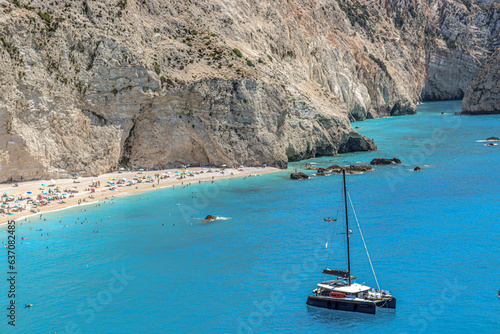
(464, 34)
(483, 95)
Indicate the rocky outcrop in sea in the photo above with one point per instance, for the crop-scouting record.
(385, 161)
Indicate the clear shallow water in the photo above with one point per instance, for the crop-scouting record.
(433, 237)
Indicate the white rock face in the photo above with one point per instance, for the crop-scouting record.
(483, 94)
(464, 34)
(89, 86)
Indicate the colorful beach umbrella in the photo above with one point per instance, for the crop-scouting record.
(29, 192)
(44, 185)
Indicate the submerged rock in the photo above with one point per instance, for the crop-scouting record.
(299, 176)
(385, 161)
(493, 139)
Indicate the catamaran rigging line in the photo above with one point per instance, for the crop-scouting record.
(362, 238)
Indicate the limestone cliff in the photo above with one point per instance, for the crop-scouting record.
(483, 94)
(89, 86)
(462, 36)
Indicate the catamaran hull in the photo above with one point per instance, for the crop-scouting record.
(387, 303)
(342, 304)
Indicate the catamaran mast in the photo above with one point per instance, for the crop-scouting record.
(347, 230)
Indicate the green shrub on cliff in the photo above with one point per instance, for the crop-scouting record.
(380, 64)
(44, 16)
(355, 12)
(238, 53)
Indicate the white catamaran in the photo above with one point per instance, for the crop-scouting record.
(342, 294)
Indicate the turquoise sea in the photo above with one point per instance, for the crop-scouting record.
(153, 267)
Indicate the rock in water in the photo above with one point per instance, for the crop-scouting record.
(353, 169)
(321, 172)
(417, 169)
(299, 176)
(493, 139)
(483, 94)
(334, 168)
(210, 218)
(385, 161)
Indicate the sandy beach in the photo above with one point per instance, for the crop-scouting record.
(31, 196)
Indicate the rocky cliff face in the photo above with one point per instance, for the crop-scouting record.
(462, 36)
(483, 94)
(89, 86)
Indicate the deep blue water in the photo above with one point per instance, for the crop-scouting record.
(434, 239)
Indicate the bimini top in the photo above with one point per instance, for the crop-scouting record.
(353, 288)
